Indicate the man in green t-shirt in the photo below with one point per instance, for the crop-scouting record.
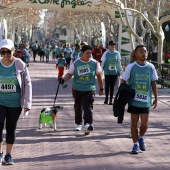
(140, 76)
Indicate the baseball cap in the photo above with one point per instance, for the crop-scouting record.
(7, 43)
(111, 42)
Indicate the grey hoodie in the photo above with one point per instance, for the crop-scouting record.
(24, 82)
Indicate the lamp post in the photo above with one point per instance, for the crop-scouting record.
(166, 30)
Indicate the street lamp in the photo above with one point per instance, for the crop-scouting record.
(166, 30)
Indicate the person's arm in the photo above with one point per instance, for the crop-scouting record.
(56, 63)
(100, 82)
(67, 77)
(120, 65)
(103, 59)
(155, 93)
(99, 75)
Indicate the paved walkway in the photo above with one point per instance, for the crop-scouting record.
(106, 148)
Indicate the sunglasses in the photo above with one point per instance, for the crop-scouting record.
(112, 44)
(5, 52)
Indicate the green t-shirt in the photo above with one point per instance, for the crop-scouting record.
(9, 86)
(67, 52)
(75, 54)
(84, 75)
(58, 51)
(111, 66)
(139, 78)
(61, 62)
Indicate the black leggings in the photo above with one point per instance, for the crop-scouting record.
(11, 114)
(110, 81)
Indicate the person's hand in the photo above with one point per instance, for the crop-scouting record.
(101, 92)
(61, 80)
(154, 104)
(25, 114)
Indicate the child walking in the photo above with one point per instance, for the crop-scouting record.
(60, 63)
(47, 54)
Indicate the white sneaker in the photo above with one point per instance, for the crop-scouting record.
(78, 128)
(88, 128)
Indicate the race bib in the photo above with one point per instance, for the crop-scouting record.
(112, 67)
(6, 88)
(141, 97)
(83, 70)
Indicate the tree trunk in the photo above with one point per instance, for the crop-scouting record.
(160, 50)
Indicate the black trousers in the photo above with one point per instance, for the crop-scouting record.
(68, 60)
(110, 81)
(34, 54)
(11, 115)
(83, 102)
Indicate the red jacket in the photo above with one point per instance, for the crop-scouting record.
(97, 54)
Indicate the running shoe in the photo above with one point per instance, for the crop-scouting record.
(135, 149)
(78, 128)
(8, 159)
(88, 128)
(142, 145)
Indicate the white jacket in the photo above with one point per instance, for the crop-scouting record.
(24, 80)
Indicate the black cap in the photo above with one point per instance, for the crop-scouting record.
(112, 42)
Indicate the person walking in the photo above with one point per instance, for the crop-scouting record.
(42, 49)
(34, 48)
(111, 64)
(67, 55)
(97, 54)
(60, 64)
(76, 50)
(84, 70)
(58, 51)
(140, 76)
(47, 53)
(15, 94)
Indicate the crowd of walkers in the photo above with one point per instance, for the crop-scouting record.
(84, 63)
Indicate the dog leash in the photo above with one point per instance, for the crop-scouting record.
(56, 93)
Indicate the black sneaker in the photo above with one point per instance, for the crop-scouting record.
(88, 128)
(8, 159)
(1, 158)
(106, 101)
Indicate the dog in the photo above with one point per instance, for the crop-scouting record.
(48, 116)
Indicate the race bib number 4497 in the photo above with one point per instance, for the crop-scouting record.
(6, 88)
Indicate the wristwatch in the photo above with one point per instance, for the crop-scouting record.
(101, 89)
